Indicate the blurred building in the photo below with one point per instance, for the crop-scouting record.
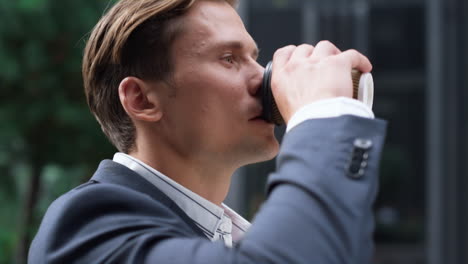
(419, 52)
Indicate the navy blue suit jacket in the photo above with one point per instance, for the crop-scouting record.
(318, 209)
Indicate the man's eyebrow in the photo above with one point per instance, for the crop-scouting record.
(235, 44)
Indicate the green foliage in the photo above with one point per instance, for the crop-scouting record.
(45, 126)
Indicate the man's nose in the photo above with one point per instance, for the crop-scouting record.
(256, 79)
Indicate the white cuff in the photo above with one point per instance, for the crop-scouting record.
(330, 108)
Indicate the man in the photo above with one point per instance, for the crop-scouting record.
(174, 85)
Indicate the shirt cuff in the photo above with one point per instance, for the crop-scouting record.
(330, 108)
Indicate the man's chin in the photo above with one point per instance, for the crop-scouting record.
(273, 150)
(265, 152)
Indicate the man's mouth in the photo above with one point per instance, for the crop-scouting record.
(257, 117)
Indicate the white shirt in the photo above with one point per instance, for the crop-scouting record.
(222, 223)
(330, 108)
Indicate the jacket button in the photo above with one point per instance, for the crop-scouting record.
(360, 154)
(363, 144)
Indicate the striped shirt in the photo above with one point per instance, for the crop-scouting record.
(217, 223)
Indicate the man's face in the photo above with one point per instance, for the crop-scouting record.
(214, 113)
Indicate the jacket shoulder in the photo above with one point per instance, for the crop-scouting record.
(96, 220)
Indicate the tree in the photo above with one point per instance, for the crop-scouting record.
(49, 141)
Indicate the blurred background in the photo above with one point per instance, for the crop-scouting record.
(49, 142)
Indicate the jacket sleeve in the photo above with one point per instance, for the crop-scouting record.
(316, 211)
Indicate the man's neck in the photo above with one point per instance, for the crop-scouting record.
(209, 180)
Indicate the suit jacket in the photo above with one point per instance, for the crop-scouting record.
(319, 209)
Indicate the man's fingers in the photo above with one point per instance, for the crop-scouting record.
(357, 60)
(324, 49)
(302, 51)
(282, 56)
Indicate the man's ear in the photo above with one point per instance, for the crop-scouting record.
(140, 100)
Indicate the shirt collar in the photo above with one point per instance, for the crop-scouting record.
(216, 222)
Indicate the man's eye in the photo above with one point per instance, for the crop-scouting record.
(229, 59)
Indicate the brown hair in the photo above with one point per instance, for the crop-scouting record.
(132, 39)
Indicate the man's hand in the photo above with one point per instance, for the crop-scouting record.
(305, 74)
